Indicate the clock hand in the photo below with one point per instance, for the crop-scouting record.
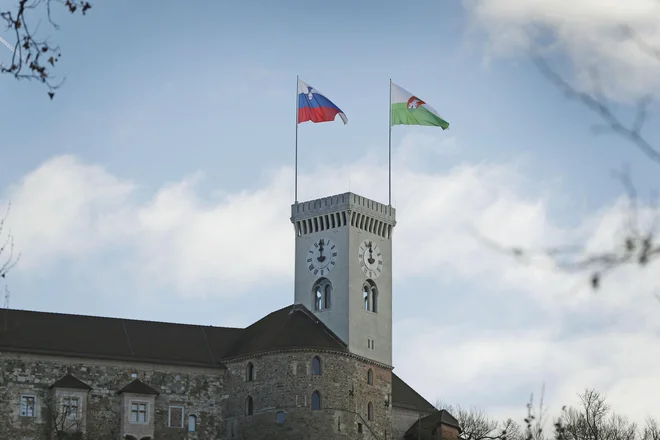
(371, 259)
(321, 257)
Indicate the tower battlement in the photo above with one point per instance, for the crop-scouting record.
(341, 210)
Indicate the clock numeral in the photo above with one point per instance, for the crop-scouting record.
(311, 251)
(322, 272)
(309, 260)
(332, 263)
(378, 254)
(362, 263)
(311, 267)
(315, 245)
(316, 271)
(332, 247)
(380, 261)
(334, 254)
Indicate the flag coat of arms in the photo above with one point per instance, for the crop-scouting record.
(408, 109)
(314, 106)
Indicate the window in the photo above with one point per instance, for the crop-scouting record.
(279, 417)
(28, 404)
(370, 377)
(192, 423)
(70, 407)
(322, 294)
(249, 374)
(370, 296)
(138, 412)
(316, 400)
(175, 417)
(249, 406)
(370, 411)
(316, 366)
(360, 427)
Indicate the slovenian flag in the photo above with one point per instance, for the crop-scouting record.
(313, 106)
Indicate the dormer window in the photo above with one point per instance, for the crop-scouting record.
(138, 412)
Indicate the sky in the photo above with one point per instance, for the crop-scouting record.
(143, 189)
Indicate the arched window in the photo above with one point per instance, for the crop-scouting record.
(370, 411)
(316, 400)
(370, 377)
(249, 406)
(192, 423)
(279, 417)
(316, 366)
(370, 296)
(322, 294)
(249, 372)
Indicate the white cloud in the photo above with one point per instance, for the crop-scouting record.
(589, 32)
(227, 245)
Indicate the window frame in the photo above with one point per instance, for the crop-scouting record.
(78, 405)
(320, 400)
(192, 417)
(34, 405)
(169, 416)
(249, 406)
(249, 372)
(320, 368)
(146, 412)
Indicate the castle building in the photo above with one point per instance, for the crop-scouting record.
(320, 368)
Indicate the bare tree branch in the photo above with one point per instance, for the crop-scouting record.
(33, 58)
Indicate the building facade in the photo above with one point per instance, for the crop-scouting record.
(318, 369)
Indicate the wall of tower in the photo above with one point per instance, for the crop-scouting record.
(348, 219)
(285, 383)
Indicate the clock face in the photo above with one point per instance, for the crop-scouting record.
(322, 257)
(371, 258)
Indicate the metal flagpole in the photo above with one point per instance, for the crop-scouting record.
(296, 164)
(390, 148)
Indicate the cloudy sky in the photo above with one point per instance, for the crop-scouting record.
(144, 188)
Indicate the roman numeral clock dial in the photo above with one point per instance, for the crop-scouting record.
(322, 257)
(370, 258)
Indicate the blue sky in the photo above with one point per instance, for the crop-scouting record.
(171, 146)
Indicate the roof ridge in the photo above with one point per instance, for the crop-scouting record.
(116, 318)
(317, 320)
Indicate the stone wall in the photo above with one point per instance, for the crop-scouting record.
(284, 382)
(403, 419)
(199, 390)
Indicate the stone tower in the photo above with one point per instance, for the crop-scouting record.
(343, 269)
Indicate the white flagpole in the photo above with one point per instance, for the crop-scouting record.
(296, 163)
(390, 149)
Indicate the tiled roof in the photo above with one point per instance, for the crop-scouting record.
(70, 381)
(288, 328)
(138, 387)
(404, 396)
(113, 338)
(150, 341)
(424, 427)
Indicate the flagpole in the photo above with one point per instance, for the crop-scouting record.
(296, 163)
(390, 149)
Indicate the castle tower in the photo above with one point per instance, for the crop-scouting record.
(343, 269)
